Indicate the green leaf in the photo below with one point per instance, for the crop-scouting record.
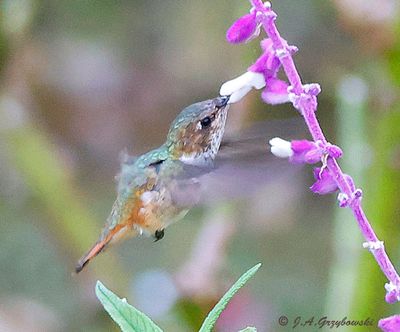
(212, 317)
(249, 329)
(127, 317)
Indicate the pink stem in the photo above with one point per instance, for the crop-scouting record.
(308, 109)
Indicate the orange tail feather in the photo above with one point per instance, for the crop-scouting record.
(96, 249)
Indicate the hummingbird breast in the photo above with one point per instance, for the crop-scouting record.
(148, 206)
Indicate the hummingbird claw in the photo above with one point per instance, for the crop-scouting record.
(159, 234)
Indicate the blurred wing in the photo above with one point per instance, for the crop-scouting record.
(252, 143)
(244, 165)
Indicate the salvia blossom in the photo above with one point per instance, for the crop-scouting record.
(390, 324)
(277, 54)
(303, 151)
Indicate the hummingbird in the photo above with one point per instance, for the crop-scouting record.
(159, 187)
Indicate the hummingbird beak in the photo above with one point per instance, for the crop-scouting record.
(221, 101)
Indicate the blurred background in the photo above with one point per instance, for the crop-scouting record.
(82, 80)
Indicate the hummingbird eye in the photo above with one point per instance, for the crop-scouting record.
(206, 122)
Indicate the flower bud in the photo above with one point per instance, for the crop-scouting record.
(244, 29)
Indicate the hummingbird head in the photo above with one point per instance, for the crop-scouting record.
(195, 135)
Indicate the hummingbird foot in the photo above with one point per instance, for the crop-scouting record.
(159, 234)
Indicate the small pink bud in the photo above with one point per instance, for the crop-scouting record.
(243, 29)
(343, 200)
(357, 193)
(334, 151)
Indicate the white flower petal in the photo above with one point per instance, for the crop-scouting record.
(248, 79)
(239, 94)
(257, 81)
(281, 148)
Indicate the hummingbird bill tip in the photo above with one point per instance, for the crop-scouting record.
(222, 101)
(80, 265)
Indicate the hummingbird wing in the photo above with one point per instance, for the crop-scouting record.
(243, 165)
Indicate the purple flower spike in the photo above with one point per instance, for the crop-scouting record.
(277, 54)
(390, 324)
(275, 92)
(244, 29)
(325, 183)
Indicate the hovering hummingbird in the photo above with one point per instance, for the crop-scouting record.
(153, 188)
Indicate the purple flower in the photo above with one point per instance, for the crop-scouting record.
(390, 324)
(304, 151)
(244, 29)
(325, 183)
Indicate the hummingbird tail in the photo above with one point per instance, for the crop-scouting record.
(93, 252)
(96, 249)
